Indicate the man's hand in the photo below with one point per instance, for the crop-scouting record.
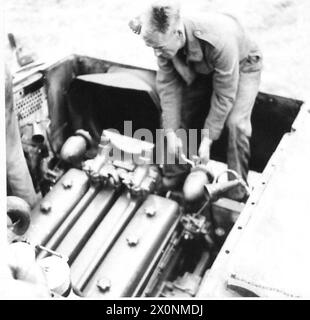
(204, 150)
(174, 144)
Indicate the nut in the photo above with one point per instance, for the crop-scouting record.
(45, 207)
(67, 184)
(132, 241)
(104, 284)
(150, 211)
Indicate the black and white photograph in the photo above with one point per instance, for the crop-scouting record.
(155, 149)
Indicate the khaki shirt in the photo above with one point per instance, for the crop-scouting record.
(19, 181)
(214, 43)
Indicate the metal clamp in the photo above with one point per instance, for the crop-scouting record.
(52, 252)
(241, 181)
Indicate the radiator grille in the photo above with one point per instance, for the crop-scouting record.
(30, 106)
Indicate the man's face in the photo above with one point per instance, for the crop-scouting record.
(165, 45)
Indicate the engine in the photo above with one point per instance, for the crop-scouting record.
(120, 236)
(103, 211)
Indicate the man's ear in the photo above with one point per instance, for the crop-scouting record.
(179, 34)
(135, 25)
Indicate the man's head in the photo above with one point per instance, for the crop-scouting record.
(162, 28)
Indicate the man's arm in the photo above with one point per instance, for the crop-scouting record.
(225, 86)
(169, 89)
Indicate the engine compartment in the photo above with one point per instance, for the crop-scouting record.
(120, 234)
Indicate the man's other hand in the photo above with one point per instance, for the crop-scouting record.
(174, 144)
(204, 150)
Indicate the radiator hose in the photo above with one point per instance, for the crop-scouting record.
(18, 210)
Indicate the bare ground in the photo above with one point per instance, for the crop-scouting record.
(100, 28)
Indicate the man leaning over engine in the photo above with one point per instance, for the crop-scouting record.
(189, 50)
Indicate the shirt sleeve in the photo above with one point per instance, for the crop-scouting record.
(225, 86)
(18, 177)
(169, 88)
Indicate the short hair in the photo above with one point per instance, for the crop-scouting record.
(161, 14)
